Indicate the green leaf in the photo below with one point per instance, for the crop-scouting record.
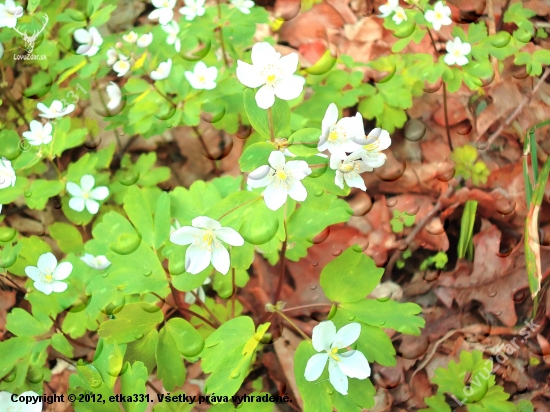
(22, 323)
(40, 191)
(228, 354)
(143, 350)
(13, 350)
(138, 211)
(131, 323)
(161, 222)
(62, 345)
(304, 142)
(350, 277)
(388, 314)
(170, 368)
(108, 361)
(68, 238)
(259, 117)
(132, 382)
(465, 242)
(255, 156)
(436, 403)
(188, 341)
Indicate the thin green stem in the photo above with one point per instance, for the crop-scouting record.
(270, 120)
(282, 260)
(233, 296)
(300, 331)
(206, 308)
(220, 32)
(312, 305)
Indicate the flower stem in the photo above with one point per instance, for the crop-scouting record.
(13, 283)
(206, 308)
(233, 296)
(205, 148)
(300, 331)
(183, 310)
(220, 32)
(447, 128)
(282, 260)
(270, 120)
(312, 305)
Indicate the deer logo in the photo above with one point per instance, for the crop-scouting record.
(31, 40)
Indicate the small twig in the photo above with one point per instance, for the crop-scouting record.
(447, 128)
(149, 384)
(501, 21)
(312, 305)
(518, 109)
(300, 331)
(13, 283)
(206, 308)
(283, 265)
(410, 237)
(205, 148)
(183, 310)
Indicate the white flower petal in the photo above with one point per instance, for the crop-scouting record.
(263, 54)
(229, 236)
(297, 191)
(186, 235)
(44, 287)
(323, 335)
(288, 64)
(354, 364)
(347, 335)
(87, 183)
(99, 193)
(92, 206)
(249, 75)
(59, 287)
(62, 271)
(265, 97)
(276, 159)
(205, 222)
(220, 259)
(74, 189)
(275, 196)
(196, 259)
(47, 262)
(337, 378)
(77, 204)
(33, 273)
(289, 88)
(315, 366)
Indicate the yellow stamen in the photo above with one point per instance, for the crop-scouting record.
(333, 136)
(201, 79)
(208, 238)
(271, 78)
(48, 278)
(438, 16)
(333, 353)
(281, 175)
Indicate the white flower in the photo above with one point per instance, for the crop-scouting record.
(164, 10)
(271, 71)
(243, 6)
(202, 77)
(115, 95)
(7, 174)
(399, 16)
(163, 71)
(190, 298)
(9, 13)
(85, 196)
(349, 170)
(457, 52)
(204, 237)
(47, 274)
(121, 67)
(55, 110)
(439, 16)
(282, 180)
(90, 41)
(173, 29)
(39, 134)
(175, 226)
(1, 50)
(130, 37)
(112, 56)
(351, 363)
(336, 135)
(96, 262)
(145, 40)
(371, 147)
(7, 405)
(388, 8)
(192, 9)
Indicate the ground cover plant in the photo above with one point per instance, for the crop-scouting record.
(276, 205)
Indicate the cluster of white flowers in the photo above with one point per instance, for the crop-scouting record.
(142, 41)
(341, 365)
(439, 16)
(118, 61)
